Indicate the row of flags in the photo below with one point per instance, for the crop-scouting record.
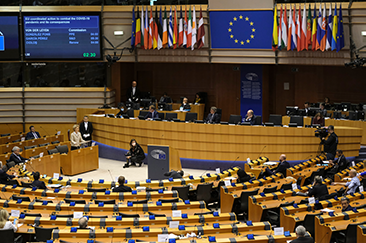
(308, 32)
(165, 32)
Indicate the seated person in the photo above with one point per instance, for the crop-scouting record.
(37, 183)
(334, 169)
(198, 99)
(351, 185)
(165, 98)
(318, 190)
(345, 204)
(306, 108)
(83, 223)
(342, 161)
(175, 174)
(327, 104)
(5, 177)
(318, 120)
(122, 109)
(213, 117)
(185, 106)
(322, 110)
(5, 223)
(250, 117)
(76, 139)
(281, 168)
(122, 187)
(301, 237)
(242, 176)
(16, 157)
(32, 134)
(153, 114)
(136, 154)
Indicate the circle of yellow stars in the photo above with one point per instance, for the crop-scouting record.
(230, 30)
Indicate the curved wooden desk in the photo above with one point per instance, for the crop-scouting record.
(221, 142)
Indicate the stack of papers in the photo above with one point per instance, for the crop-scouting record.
(270, 163)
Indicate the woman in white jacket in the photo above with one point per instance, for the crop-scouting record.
(4, 223)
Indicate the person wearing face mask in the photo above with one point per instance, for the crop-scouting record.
(136, 154)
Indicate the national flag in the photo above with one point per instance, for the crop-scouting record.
(334, 29)
(308, 30)
(284, 27)
(329, 28)
(175, 29)
(181, 27)
(314, 31)
(298, 28)
(156, 31)
(319, 28)
(340, 33)
(303, 30)
(165, 30)
(142, 28)
(201, 32)
(323, 35)
(289, 37)
(146, 31)
(151, 29)
(170, 29)
(293, 30)
(133, 31)
(189, 33)
(185, 31)
(194, 28)
(138, 29)
(160, 31)
(275, 30)
(279, 30)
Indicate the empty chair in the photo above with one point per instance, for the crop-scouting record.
(24, 199)
(350, 235)
(287, 186)
(53, 151)
(168, 200)
(235, 119)
(204, 213)
(298, 181)
(143, 114)
(4, 135)
(67, 200)
(28, 147)
(299, 120)
(90, 189)
(98, 216)
(36, 156)
(191, 116)
(63, 149)
(126, 215)
(16, 141)
(111, 201)
(161, 115)
(64, 215)
(258, 120)
(43, 144)
(144, 201)
(125, 116)
(275, 119)
(43, 234)
(55, 142)
(170, 116)
(40, 200)
(309, 222)
(270, 189)
(204, 192)
(7, 236)
(183, 191)
(130, 113)
(33, 215)
(273, 215)
(157, 214)
(242, 206)
(26, 184)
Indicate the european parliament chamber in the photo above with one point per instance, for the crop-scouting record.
(189, 121)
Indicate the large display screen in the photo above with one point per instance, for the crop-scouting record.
(9, 37)
(62, 36)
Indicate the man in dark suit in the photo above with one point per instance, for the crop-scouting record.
(281, 168)
(175, 174)
(330, 145)
(16, 157)
(86, 129)
(133, 94)
(213, 117)
(5, 177)
(122, 187)
(185, 106)
(301, 236)
(318, 190)
(32, 134)
(345, 204)
(250, 117)
(37, 183)
(322, 110)
(342, 161)
(153, 114)
(306, 109)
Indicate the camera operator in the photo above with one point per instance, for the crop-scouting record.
(330, 145)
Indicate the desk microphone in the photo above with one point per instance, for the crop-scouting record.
(232, 164)
(261, 151)
(44, 131)
(111, 175)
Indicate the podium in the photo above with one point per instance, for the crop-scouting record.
(161, 159)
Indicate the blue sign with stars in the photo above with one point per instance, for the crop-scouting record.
(241, 29)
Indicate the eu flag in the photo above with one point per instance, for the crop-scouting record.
(241, 29)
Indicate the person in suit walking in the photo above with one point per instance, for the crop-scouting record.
(32, 134)
(213, 117)
(86, 129)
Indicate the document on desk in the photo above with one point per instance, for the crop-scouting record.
(270, 163)
(326, 210)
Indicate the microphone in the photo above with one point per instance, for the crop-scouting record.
(110, 175)
(233, 162)
(262, 151)
(44, 131)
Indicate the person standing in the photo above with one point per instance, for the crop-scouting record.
(330, 145)
(133, 93)
(86, 129)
